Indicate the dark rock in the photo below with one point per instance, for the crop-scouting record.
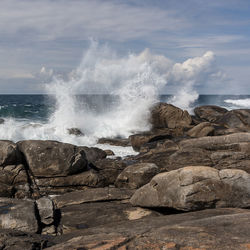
(109, 169)
(75, 131)
(18, 215)
(208, 229)
(2, 121)
(91, 215)
(65, 184)
(16, 240)
(195, 188)
(93, 154)
(159, 146)
(209, 113)
(165, 115)
(139, 140)
(92, 195)
(51, 158)
(9, 153)
(115, 141)
(137, 175)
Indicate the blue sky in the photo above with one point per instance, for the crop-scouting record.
(55, 33)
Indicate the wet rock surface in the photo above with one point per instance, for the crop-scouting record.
(187, 188)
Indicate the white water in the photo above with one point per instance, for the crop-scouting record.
(239, 103)
(137, 79)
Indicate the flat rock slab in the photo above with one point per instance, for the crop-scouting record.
(207, 229)
(209, 142)
(92, 215)
(18, 214)
(92, 195)
(195, 188)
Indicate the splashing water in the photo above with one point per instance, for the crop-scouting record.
(136, 80)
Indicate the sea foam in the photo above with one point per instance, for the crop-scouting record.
(136, 80)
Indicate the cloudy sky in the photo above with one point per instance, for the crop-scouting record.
(37, 36)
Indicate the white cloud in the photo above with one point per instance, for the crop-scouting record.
(49, 20)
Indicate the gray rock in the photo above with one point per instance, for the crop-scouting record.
(137, 175)
(195, 188)
(51, 158)
(46, 210)
(18, 215)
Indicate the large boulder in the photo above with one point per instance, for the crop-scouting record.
(137, 175)
(52, 158)
(195, 188)
(18, 215)
(165, 115)
(209, 113)
(9, 153)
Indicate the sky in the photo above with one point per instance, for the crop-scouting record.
(47, 36)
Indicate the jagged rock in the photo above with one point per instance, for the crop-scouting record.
(2, 121)
(75, 131)
(201, 130)
(9, 153)
(92, 195)
(18, 215)
(195, 188)
(51, 158)
(209, 113)
(115, 141)
(137, 175)
(165, 115)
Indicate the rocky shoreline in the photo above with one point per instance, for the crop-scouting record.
(187, 188)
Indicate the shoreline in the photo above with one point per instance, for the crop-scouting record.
(189, 178)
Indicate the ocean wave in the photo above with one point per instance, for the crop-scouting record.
(239, 103)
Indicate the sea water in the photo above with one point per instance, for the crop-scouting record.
(29, 117)
(132, 84)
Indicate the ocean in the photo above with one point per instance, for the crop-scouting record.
(44, 117)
